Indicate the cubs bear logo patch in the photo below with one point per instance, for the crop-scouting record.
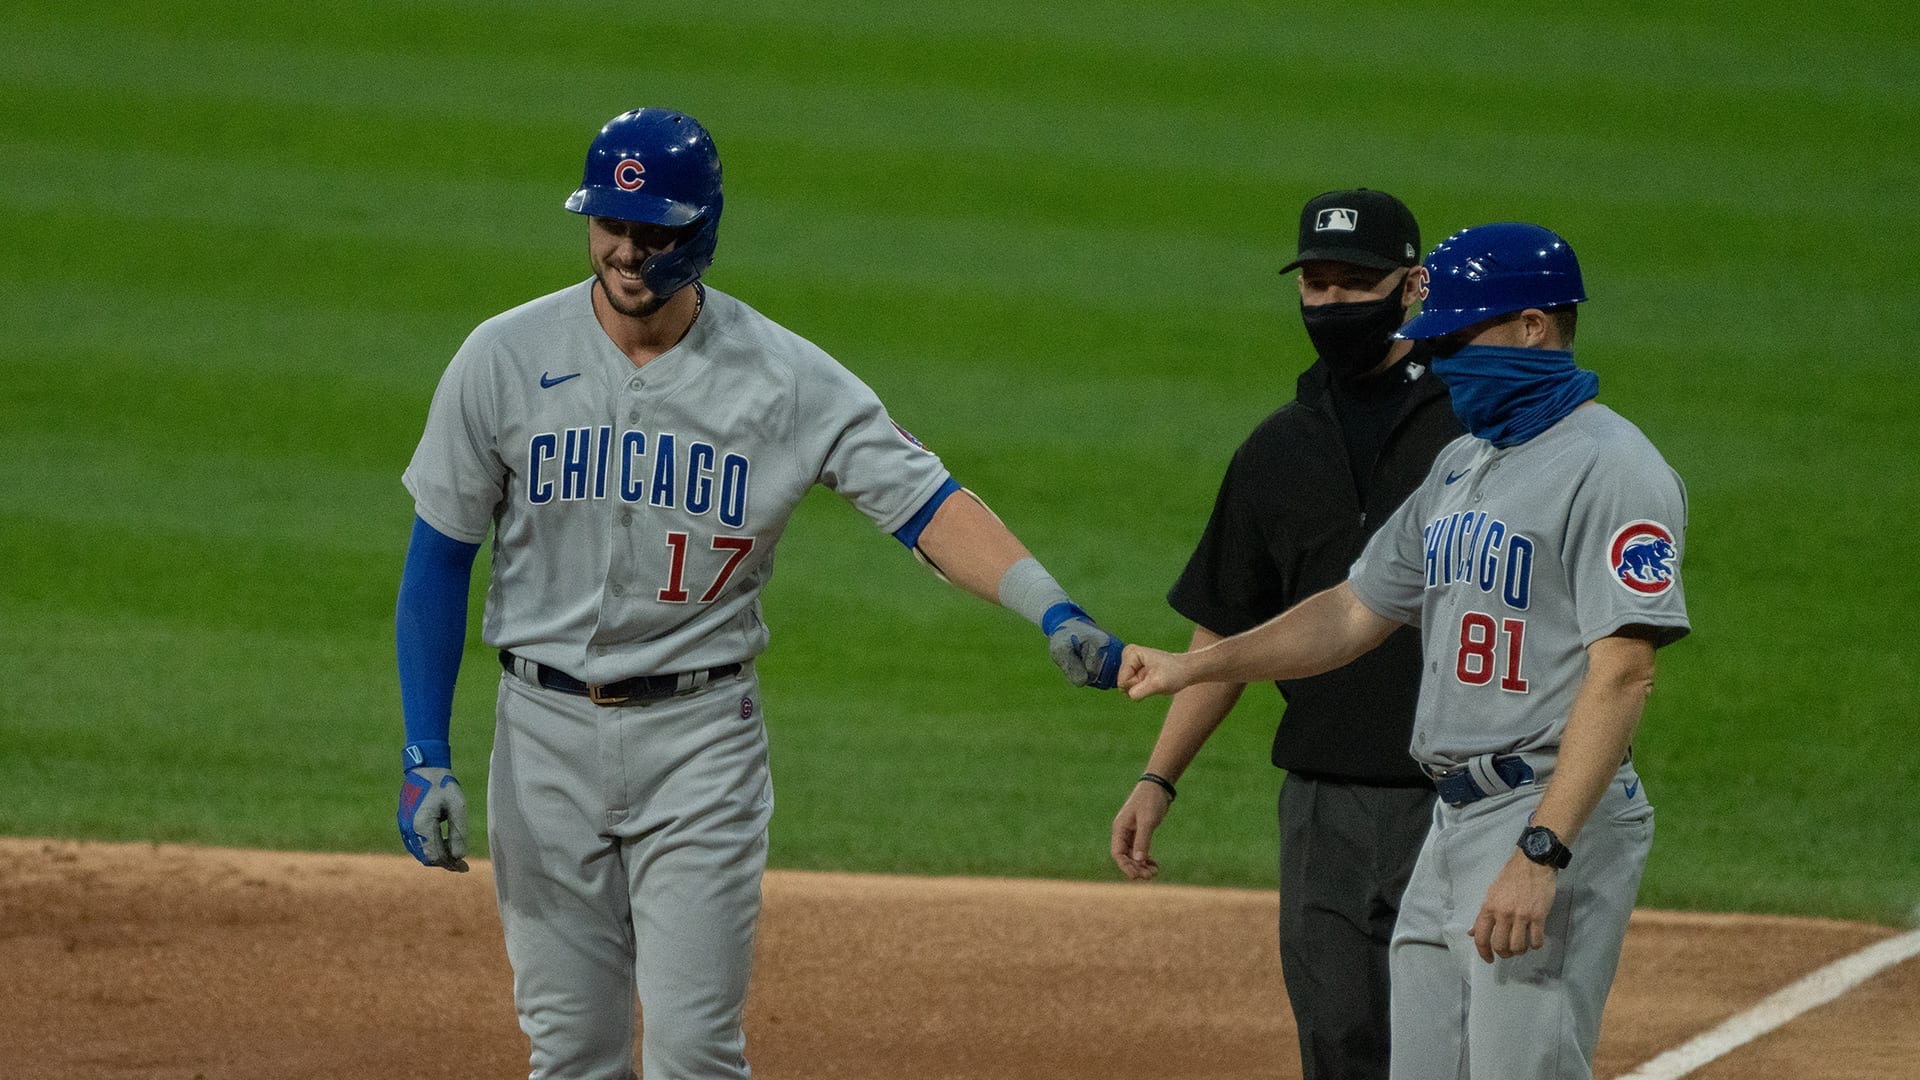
(1642, 555)
(905, 434)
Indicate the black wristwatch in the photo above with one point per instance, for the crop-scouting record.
(1537, 842)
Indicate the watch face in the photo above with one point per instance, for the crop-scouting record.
(1539, 844)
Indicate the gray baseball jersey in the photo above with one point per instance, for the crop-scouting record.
(1512, 561)
(635, 510)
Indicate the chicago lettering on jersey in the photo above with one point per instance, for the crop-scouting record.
(1473, 549)
(592, 463)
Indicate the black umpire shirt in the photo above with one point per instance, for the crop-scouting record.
(1293, 513)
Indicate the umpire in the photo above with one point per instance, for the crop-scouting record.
(1299, 500)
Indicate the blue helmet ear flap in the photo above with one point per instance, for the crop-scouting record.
(670, 271)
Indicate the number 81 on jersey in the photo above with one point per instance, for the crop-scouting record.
(1486, 647)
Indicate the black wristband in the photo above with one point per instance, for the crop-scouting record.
(1162, 782)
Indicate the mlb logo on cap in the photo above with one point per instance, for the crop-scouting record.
(1337, 219)
(1359, 226)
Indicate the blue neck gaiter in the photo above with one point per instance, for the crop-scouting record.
(1507, 396)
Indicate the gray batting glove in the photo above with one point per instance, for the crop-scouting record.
(428, 797)
(1085, 654)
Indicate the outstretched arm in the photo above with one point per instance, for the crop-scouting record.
(968, 545)
(1323, 632)
(971, 546)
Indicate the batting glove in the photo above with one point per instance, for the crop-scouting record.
(428, 797)
(1086, 654)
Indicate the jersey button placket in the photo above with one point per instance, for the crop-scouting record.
(625, 519)
(1481, 474)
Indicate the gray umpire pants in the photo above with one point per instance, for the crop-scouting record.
(1346, 852)
(628, 846)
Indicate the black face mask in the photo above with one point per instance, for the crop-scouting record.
(1354, 338)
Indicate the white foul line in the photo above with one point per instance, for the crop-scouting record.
(1809, 993)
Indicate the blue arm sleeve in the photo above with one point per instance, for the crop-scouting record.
(429, 631)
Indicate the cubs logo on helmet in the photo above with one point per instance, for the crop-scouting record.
(1642, 554)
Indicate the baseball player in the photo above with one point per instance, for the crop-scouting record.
(636, 444)
(1301, 497)
(1541, 561)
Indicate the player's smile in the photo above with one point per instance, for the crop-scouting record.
(629, 277)
(618, 251)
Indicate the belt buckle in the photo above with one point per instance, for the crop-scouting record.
(1449, 782)
(594, 695)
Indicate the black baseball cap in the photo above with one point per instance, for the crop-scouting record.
(1360, 226)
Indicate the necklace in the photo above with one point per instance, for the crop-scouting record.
(699, 304)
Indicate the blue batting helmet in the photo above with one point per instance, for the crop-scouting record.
(1491, 270)
(660, 167)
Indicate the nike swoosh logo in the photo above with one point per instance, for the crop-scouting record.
(1452, 476)
(548, 382)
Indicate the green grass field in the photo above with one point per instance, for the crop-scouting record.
(242, 240)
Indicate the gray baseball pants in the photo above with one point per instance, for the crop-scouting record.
(1536, 1015)
(628, 846)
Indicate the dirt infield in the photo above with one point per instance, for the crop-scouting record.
(179, 963)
